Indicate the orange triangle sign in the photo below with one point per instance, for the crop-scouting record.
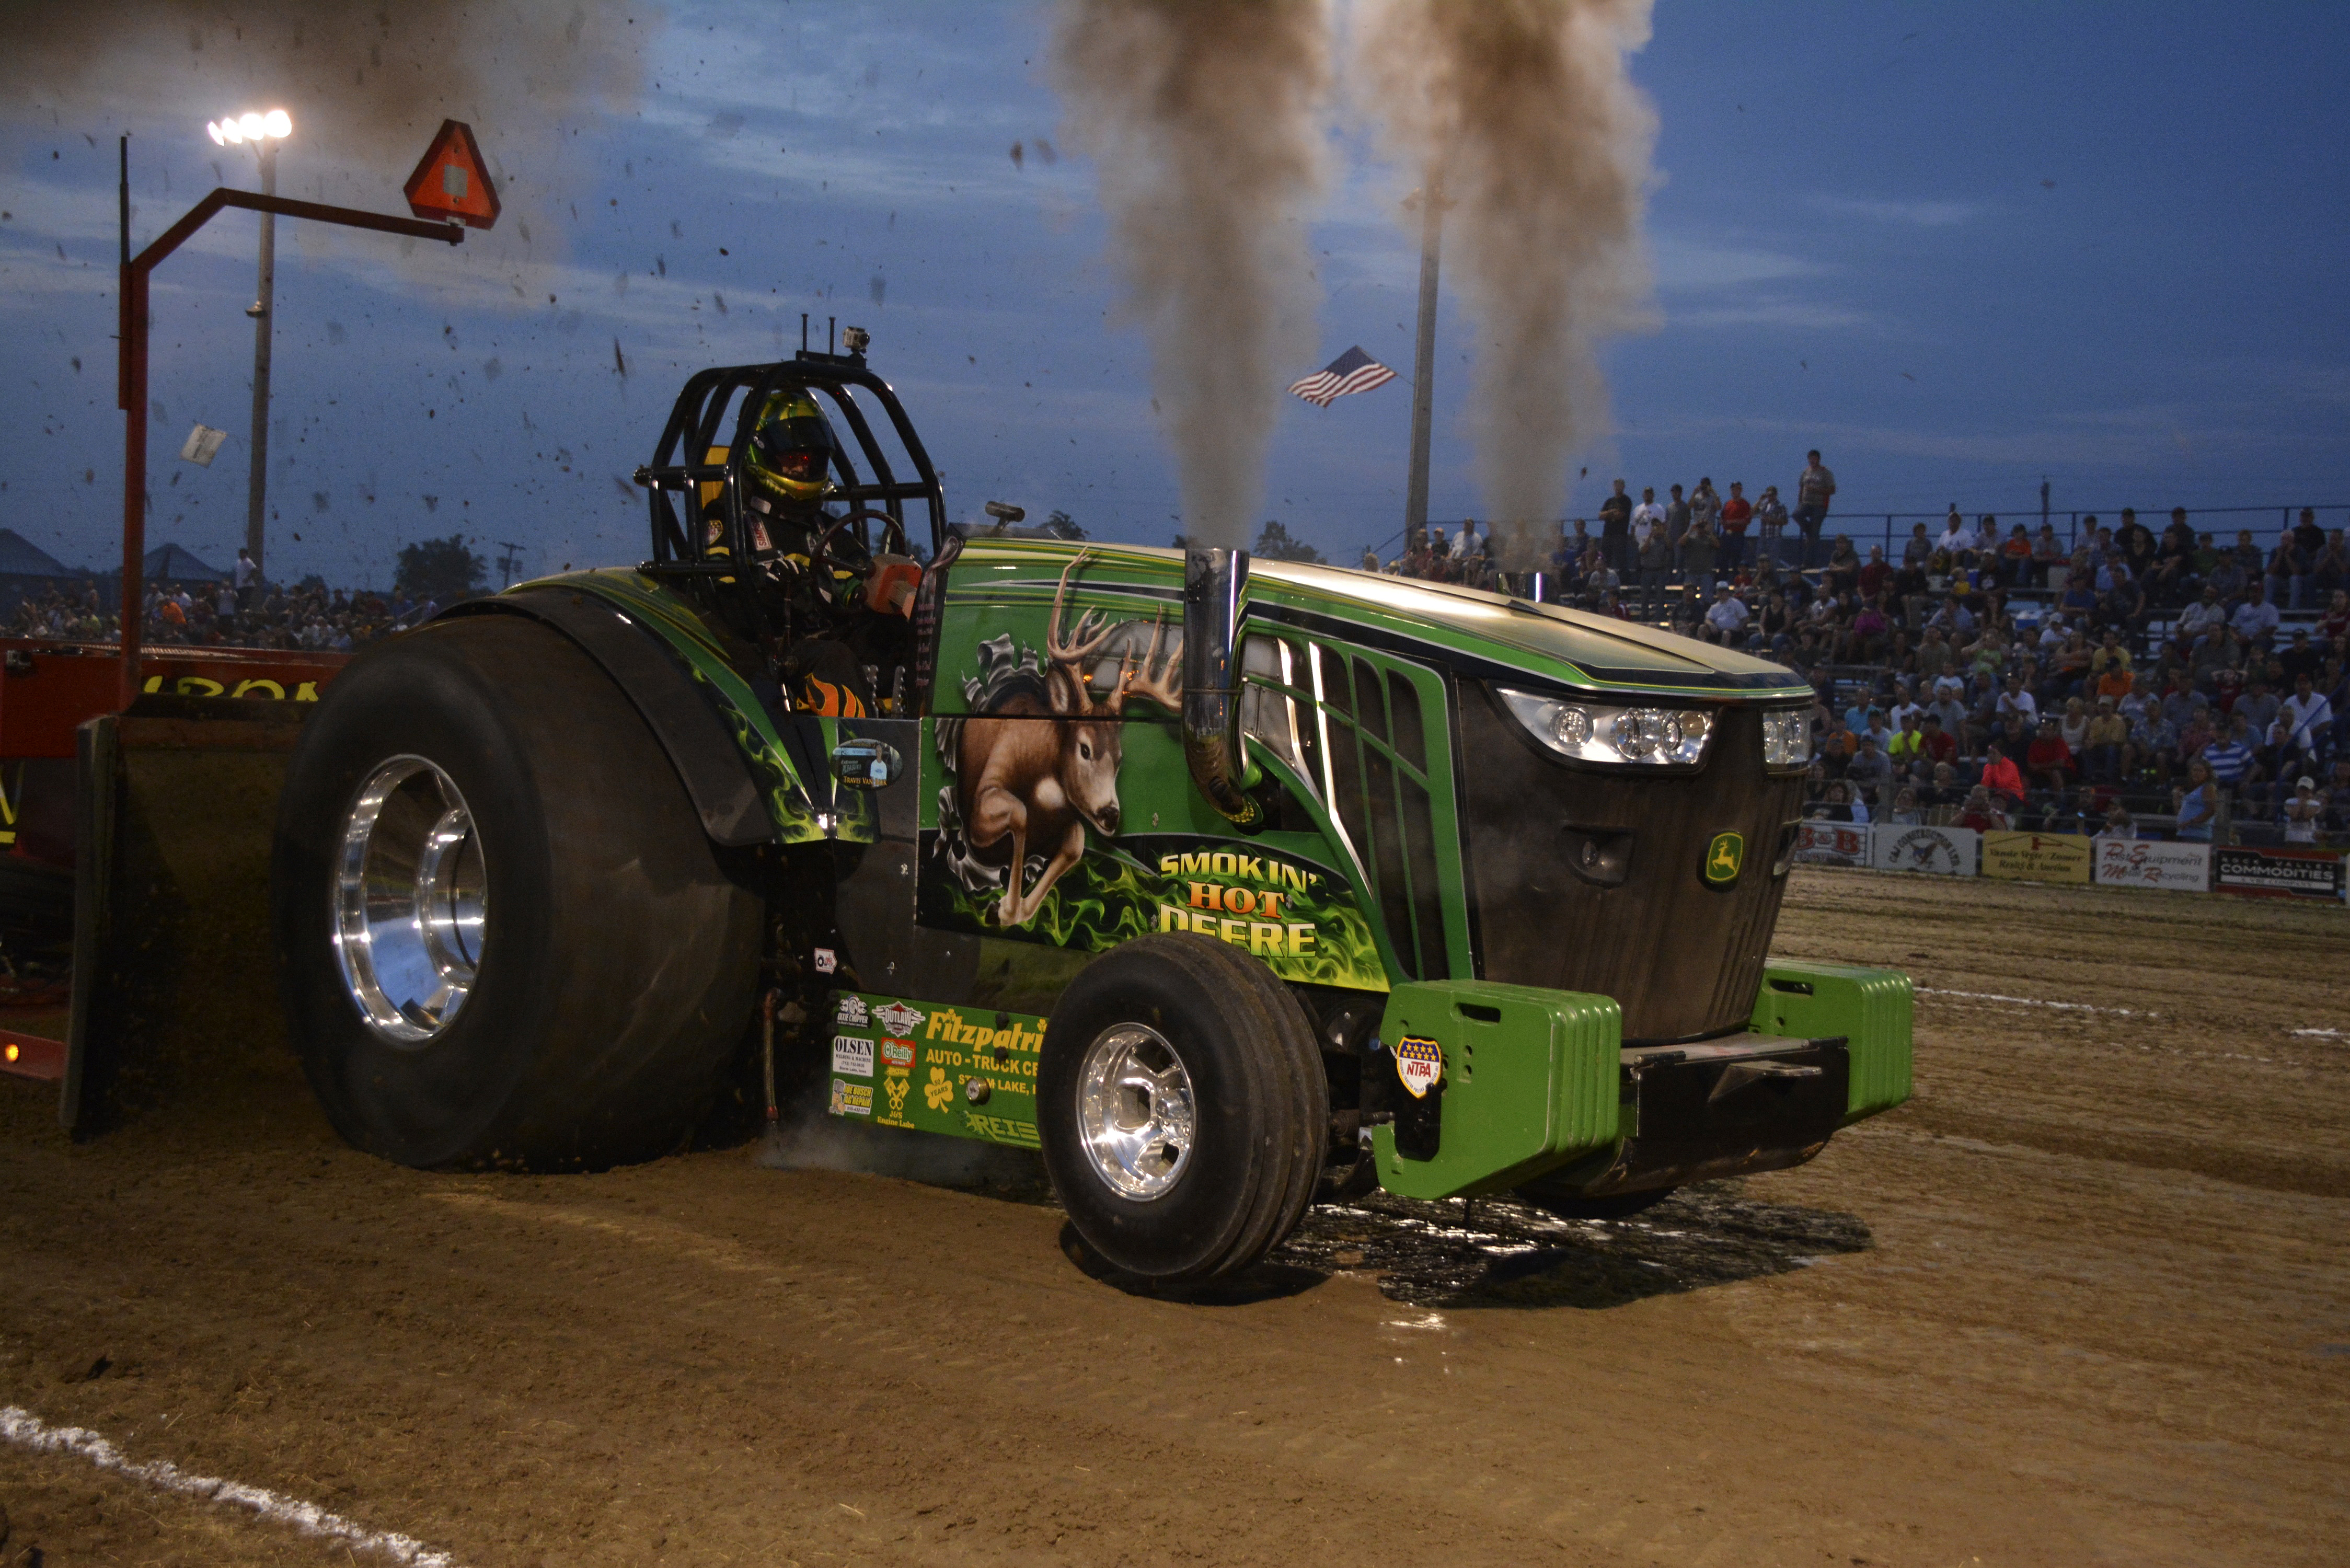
(451, 182)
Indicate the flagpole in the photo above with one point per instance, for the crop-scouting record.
(1423, 364)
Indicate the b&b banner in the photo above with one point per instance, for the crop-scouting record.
(1833, 844)
(2313, 874)
(1943, 851)
(2149, 863)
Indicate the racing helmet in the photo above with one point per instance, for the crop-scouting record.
(791, 448)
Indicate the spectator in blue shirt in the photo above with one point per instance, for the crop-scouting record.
(2255, 619)
(2199, 805)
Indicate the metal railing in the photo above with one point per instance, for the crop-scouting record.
(1892, 529)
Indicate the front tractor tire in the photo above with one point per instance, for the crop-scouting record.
(1182, 1108)
(503, 936)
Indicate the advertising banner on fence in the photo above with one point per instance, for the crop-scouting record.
(2036, 856)
(2148, 863)
(2277, 873)
(1943, 851)
(1833, 844)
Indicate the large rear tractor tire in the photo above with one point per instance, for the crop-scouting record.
(1182, 1108)
(503, 936)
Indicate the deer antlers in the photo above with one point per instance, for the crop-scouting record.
(1087, 635)
(1162, 685)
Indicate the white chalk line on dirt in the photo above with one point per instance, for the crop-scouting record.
(2033, 1002)
(27, 1430)
(2086, 1007)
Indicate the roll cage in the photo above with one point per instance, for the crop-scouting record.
(683, 548)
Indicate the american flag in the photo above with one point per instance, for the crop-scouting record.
(1353, 371)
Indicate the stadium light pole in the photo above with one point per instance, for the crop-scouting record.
(1424, 362)
(265, 131)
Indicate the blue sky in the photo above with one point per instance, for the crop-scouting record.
(1958, 248)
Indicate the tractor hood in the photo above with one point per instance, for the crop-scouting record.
(1467, 631)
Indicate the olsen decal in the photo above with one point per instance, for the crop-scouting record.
(851, 1014)
(1420, 1063)
(852, 1055)
(851, 1099)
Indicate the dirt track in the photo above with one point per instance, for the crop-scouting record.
(2085, 1300)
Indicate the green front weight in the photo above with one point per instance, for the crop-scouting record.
(1528, 1083)
(1868, 1007)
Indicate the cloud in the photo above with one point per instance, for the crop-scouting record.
(1686, 264)
(1796, 313)
(1917, 214)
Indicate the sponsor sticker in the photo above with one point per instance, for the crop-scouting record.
(1420, 1063)
(851, 1099)
(852, 1055)
(851, 1013)
(898, 1054)
(827, 960)
(900, 1019)
(939, 1093)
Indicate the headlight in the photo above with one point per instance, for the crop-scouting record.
(1787, 738)
(1654, 737)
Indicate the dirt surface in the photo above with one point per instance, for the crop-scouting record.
(2083, 1301)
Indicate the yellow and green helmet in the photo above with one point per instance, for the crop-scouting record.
(791, 448)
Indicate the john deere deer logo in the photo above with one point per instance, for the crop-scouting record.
(1723, 858)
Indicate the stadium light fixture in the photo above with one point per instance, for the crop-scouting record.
(260, 129)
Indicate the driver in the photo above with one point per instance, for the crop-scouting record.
(789, 467)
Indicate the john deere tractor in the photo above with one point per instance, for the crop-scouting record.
(1222, 885)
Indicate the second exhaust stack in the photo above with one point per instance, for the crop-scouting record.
(1213, 581)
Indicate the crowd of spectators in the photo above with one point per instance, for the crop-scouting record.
(2121, 681)
(308, 616)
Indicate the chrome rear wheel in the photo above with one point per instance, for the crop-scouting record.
(411, 900)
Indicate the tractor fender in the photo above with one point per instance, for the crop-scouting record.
(709, 764)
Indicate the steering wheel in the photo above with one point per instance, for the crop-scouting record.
(820, 555)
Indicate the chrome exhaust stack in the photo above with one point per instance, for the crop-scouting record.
(1213, 581)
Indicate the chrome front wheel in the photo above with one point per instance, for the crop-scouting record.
(411, 900)
(1135, 1112)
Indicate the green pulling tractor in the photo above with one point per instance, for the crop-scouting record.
(1223, 885)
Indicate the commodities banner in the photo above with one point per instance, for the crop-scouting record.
(1944, 851)
(2148, 862)
(2278, 873)
(2036, 856)
(1833, 844)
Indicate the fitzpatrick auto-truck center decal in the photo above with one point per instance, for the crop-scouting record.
(964, 1072)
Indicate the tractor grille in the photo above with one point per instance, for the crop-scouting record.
(1379, 790)
(1594, 881)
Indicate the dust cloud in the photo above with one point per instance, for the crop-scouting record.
(1205, 121)
(808, 1137)
(1523, 112)
(367, 87)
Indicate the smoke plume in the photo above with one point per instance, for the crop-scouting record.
(366, 85)
(1204, 119)
(1523, 112)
